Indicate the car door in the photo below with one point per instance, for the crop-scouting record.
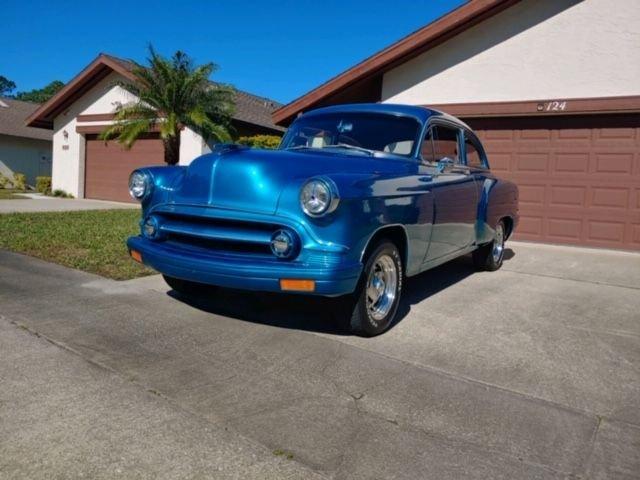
(454, 192)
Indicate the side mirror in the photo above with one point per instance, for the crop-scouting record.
(445, 165)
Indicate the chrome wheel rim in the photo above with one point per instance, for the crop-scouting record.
(381, 287)
(498, 244)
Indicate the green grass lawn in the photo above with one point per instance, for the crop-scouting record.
(10, 194)
(93, 241)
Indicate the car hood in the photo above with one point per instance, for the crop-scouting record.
(253, 180)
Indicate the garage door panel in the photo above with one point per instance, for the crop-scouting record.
(532, 162)
(501, 162)
(577, 185)
(571, 163)
(564, 229)
(614, 163)
(530, 227)
(635, 234)
(566, 195)
(615, 133)
(108, 166)
(536, 134)
(574, 133)
(532, 195)
(607, 231)
(610, 197)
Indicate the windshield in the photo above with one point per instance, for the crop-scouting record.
(351, 132)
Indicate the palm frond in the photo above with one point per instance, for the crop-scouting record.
(172, 93)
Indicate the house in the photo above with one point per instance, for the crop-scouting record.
(552, 88)
(88, 167)
(23, 149)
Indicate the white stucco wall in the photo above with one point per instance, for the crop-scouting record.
(537, 49)
(69, 150)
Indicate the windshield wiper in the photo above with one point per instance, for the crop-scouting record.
(297, 147)
(351, 147)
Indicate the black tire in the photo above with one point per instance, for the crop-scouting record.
(486, 257)
(363, 321)
(185, 287)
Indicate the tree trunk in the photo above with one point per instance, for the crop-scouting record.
(172, 149)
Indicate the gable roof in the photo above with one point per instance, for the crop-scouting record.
(427, 37)
(249, 108)
(12, 116)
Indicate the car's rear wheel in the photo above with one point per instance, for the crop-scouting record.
(185, 287)
(490, 256)
(378, 295)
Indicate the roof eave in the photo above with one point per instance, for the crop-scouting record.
(99, 67)
(408, 47)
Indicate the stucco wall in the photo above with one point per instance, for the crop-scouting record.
(69, 149)
(24, 155)
(537, 49)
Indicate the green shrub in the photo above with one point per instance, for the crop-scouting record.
(43, 185)
(62, 194)
(260, 141)
(19, 181)
(4, 182)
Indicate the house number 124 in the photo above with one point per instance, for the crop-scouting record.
(556, 106)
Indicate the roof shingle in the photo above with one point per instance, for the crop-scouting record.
(249, 108)
(13, 114)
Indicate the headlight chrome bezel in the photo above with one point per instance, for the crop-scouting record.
(138, 176)
(283, 243)
(331, 189)
(151, 221)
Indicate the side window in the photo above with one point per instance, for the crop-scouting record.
(426, 149)
(445, 143)
(474, 153)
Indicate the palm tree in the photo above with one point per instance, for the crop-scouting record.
(173, 94)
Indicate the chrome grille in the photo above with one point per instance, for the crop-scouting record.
(214, 235)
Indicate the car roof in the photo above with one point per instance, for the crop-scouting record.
(422, 114)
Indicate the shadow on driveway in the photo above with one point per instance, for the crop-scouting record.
(318, 314)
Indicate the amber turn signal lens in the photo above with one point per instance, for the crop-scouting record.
(137, 256)
(297, 285)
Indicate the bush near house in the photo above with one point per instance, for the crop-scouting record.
(62, 194)
(260, 141)
(43, 185)
(19, 181)
(5, 182)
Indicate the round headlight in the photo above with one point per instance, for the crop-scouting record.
(318, 197)
(139, 185)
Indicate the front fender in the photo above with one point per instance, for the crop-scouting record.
(165, 180)
(367, 204)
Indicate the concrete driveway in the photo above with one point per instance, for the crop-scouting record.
(529, 372)
(54, 204)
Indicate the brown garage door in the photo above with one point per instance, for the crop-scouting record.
(108, 166)
(579, 178)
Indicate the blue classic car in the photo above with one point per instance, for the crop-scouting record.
(356, 198)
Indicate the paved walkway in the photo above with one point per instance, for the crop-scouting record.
(53, 204)
(528, 372)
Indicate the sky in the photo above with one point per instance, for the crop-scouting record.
(277, 49)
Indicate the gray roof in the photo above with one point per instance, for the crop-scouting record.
(256, 110)
(13, 116)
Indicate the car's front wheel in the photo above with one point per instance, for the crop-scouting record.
(378, 294)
